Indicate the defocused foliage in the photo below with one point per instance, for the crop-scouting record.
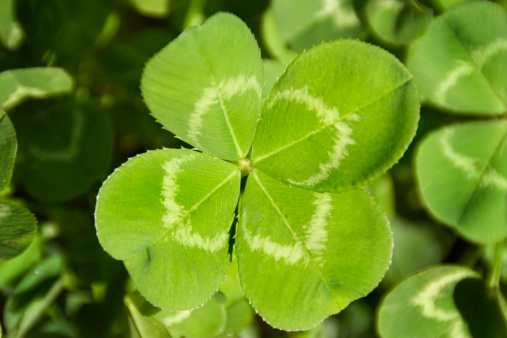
(70, 87)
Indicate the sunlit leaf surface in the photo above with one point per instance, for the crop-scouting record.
(334, 131)
(207, 89)
(303, 256)
(167, 214)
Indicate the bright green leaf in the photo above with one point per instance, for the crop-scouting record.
(17, 85)
(204, 322)
(18, 228)
(167, 214)
(335, 131)
(152, 8)
(460, 64)
(303, 255)
(398, 22)
(423, 306)
(306, 23)
(8, 147)
(206, 86)
(63, 149)
(462, 172)
(11, 32)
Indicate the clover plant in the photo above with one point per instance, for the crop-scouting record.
(461, 172)
(309, 239)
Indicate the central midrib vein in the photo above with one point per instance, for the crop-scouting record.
(220, 98)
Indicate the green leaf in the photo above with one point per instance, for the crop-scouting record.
(307, 23)
(142, 323)
(460, 64)
(304, 256)
(273, 40)
(461, 172)
(423, 305)
(8, 147)
(206, 85)
(18, 228)
(398, 22)
(167, 214)
(328, 123)
(11, 32)
(203, 322)
(17, 85)
(63, 149)
(152, 8)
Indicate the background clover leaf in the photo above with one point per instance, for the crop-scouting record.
(17, 230)
(16, 85)
(423, 305)
(460, 63)
(64, 148)
(468, 190)
(306, 23)
(398, 22)
(8, 148)
(11, 32)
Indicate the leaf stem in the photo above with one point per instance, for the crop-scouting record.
(494, 276)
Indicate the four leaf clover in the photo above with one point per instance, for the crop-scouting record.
(309, 240)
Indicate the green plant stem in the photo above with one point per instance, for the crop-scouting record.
(502, 304)
(494, 276)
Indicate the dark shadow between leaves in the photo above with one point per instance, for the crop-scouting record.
(480, 309)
